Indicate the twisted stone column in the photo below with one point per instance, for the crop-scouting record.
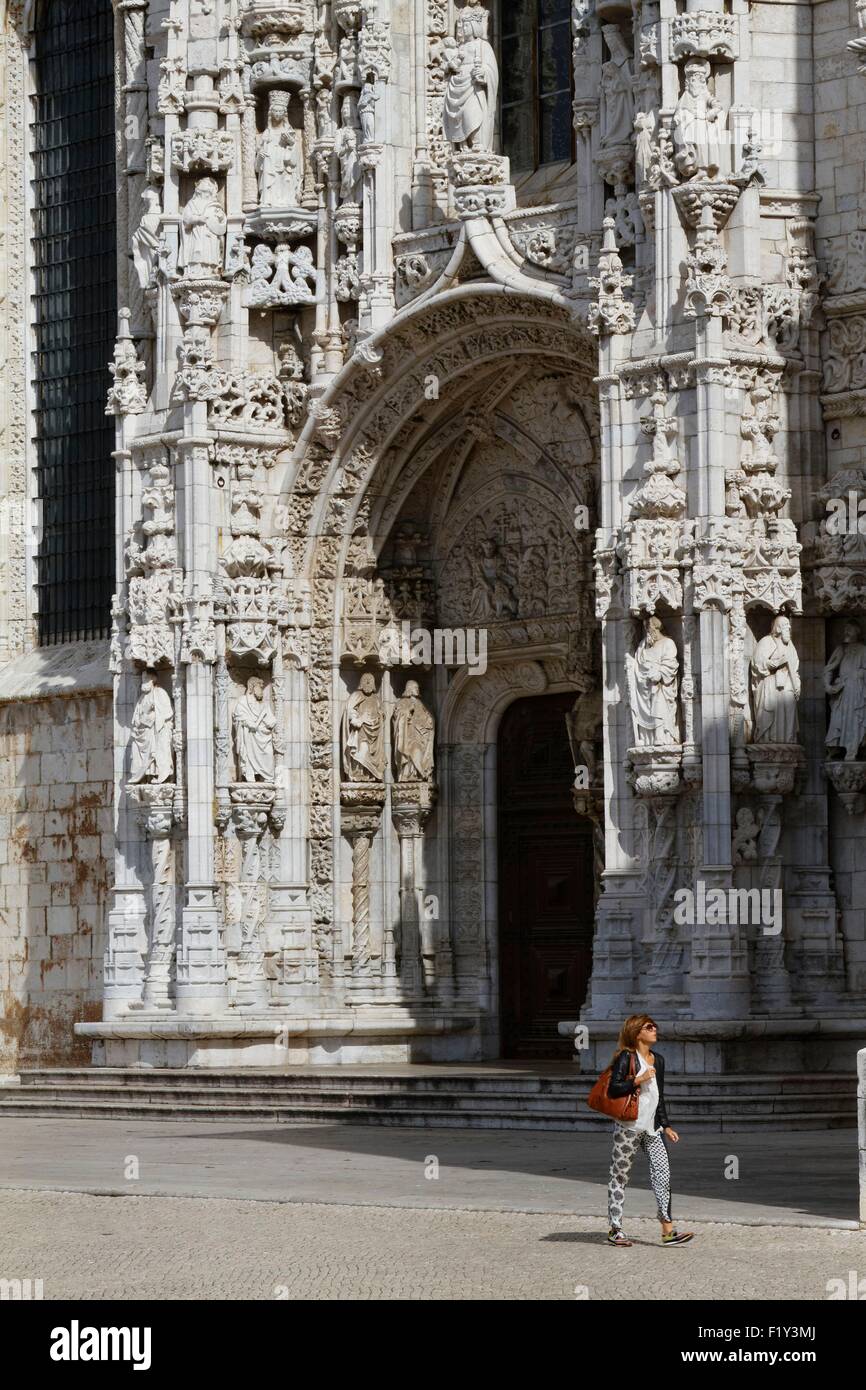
(252, 805)
(411, 805)
(362, 812)
(162, 924)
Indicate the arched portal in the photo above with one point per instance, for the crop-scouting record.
(448, 485)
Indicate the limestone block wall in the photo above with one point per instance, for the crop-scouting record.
(56, 847)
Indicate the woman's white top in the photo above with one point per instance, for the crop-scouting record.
(648, 1099)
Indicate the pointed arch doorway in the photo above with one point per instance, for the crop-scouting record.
(545, 881)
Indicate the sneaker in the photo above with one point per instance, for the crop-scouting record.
(617, 1238)
(677, 1237)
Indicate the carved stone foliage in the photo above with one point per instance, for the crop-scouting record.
(708, 288)
(703, 34)
(197, 150)
(253, 600)
(416, 271)
(838, 553)
(612, 313)
(548, 239)
(845, 354)
(438, 53)
(154, 584)
(128, 393)
(281, 278)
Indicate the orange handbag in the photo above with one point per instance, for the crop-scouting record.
(623, 1109)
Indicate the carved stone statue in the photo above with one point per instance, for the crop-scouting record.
(278, 159)
(653, 674)
(152, 728)
(698, 127)
(845, 683)
(644, 126)
(254, 725)
(469, 114)
(494, 589)
(617, 91)
(367, 111)
(204, 230)
(364, 734)
(745, 840)
(146, 238)
(414, 732)
(584, 724)
(775, 680)
(346, 149)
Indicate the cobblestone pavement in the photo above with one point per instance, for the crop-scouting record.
(799, 1179)
(86, 1247)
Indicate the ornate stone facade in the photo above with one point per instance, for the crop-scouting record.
(373, 385)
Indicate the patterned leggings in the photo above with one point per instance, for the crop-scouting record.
(625, 1145)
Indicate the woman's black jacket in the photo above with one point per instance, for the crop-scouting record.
(620, 1085)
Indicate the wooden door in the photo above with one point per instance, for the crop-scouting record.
(545, 881)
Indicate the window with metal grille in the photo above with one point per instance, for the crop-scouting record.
(74, 313)
(537, 82)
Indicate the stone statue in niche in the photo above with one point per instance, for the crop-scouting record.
(346, 150)
(653, 674)
(745, 840)
(414, 733)
(698, 127)
(152, 729)
(617, 91)
(147, 237)
(469, 115)
(254, 725)
(367, 110)
(325, 126)
(845, 683)
(278, 161)
(204, 230)
(364, 734)
(775, 681)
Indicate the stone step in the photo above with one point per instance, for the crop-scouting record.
(491, 1097)
(742, 1103)
(451, 1079)
(80, 1107)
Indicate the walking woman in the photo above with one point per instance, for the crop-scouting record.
(636, 1067)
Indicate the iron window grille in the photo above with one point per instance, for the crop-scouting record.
(74, 313)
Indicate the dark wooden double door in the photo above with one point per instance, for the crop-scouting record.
(545, 881)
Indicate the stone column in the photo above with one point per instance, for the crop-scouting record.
(719, 976)
(123, 976)
(411, 804)
(362, 804)
(620, 905)
(289, 927)
(252, 805)
(157, 814)
(201, 971)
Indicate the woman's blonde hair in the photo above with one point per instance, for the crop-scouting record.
(628, 1033)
